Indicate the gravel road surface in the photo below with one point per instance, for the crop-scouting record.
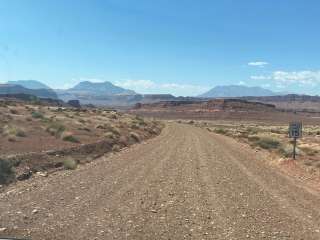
(186, 183)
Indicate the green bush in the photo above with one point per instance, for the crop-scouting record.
(70, 138)
(37, 115)
(70, 164)
(220, 131)
(7, 174)
(268, 143)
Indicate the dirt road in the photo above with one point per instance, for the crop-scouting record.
(185, 184)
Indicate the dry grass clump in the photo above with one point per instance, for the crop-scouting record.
(309, 151)
(110, 135)
(116, 148)
(70, 164)
(56, 129)
(12, 131)
(135, 136)
(84, 129)
(267, 143)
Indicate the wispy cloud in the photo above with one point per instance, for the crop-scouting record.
(148, 86)
(258, 64)
(286, 78)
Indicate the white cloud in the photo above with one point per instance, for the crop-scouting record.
(286, 78)
(242, 83)
(148, 86)
(129, 83)
(258, 64)
(303, 77)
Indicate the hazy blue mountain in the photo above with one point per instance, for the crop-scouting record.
(18, 89)
(31, 84)
(237, 91)
(101, 88)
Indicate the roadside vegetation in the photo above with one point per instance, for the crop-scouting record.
(65, 133)
(273, 138)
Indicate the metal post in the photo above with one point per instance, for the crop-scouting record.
(294, 148)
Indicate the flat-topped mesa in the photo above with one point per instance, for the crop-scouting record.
(210, 105)
(238, 104)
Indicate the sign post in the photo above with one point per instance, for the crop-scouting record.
(295, 132)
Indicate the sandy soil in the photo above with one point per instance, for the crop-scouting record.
(186, 183)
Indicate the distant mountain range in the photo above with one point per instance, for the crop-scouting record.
(100, 88)
(237, 91)
(18, 89)
(104, 93)
(107, 94)
(31, 84)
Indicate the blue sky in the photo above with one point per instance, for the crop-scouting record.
(167, 46)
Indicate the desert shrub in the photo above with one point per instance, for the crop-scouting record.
(209, 129)
(252, 130)
(123, 140)
(241, 134)
(116, 148)
(70, 164)
(6, 172)
(13, 111)
(286, 150)
(56, 129)
(85, 129)
(276, 130)
(113, 115)
(220, 131)
(100, 126)
(109, 135)
(20, 133)
(3, 104)
(12, 131)
(134, 125)
(70, 138)
(139, 121)
(113, 129)
(309, 151)
(268, 143)
(81, 120)
(12, 139)
(253, 138)
(36, 114)
(135, 136)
